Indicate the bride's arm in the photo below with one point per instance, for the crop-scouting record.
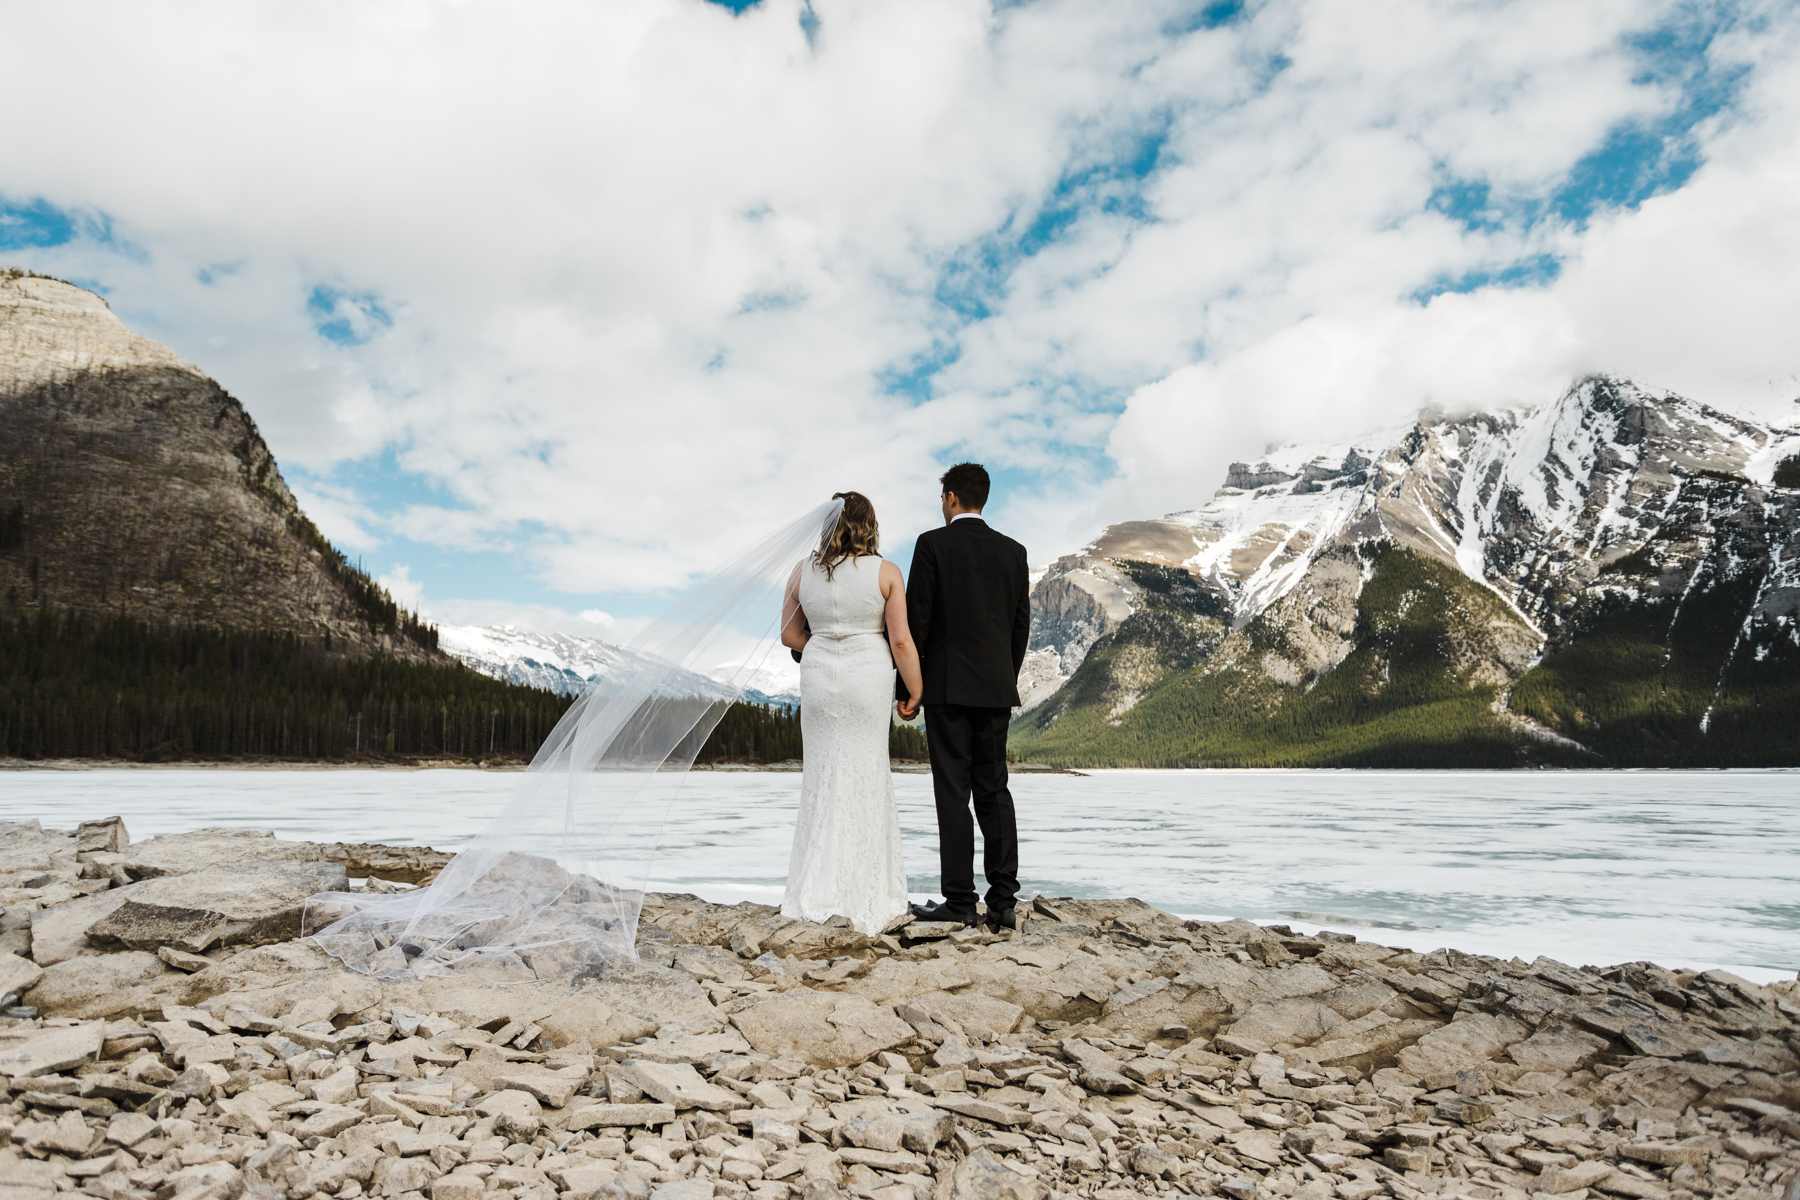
(793, 620)
(900, 640)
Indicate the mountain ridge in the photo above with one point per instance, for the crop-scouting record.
(1606, 501)
(133, 485)
(569, 664)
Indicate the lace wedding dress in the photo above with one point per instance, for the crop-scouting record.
(846, 855)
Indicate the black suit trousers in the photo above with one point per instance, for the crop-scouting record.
(968, 761)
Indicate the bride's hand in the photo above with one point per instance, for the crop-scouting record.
(908, 708)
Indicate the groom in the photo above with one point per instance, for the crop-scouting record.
(969, 605)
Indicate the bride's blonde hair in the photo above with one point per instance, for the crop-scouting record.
(856, 533)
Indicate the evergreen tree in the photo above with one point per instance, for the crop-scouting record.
(77, 685)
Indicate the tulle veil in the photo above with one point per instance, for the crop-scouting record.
(552, 888)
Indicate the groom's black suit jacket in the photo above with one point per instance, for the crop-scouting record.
(968, 603)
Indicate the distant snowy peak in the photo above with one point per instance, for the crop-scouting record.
(569, 663)
(1530, 502)
(557, 662)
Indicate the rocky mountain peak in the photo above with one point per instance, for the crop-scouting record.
(51, 329)
(133, 485)
(1543, 520)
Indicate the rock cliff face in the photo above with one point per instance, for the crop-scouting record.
(175, 1040)
(132, 484)
(1615, 575)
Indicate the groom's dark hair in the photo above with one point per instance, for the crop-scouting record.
(970, 483)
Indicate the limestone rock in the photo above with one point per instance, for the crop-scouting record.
(1471, 1039)
(17, 974)
(985, 1176)
(97, 986)
(619, 1116)
(107, 836)
(58, 1048)
(822, 1028)
(678, 1085)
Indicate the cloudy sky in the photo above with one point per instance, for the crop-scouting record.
(544, 307)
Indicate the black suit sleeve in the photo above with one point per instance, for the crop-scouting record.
(1021, 630)
(918, 605)
(920, 587)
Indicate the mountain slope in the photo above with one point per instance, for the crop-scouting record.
(131, 485)
(1611, 577)
(569, 663)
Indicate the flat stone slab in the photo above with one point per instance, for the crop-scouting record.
(620, 1116)
(678, 1085)
(98, 985)
(58, 1048)
(826, 1029)
(222, 905)
(215, 846)
(17, 974)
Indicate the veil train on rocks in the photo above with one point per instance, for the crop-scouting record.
(554, 886)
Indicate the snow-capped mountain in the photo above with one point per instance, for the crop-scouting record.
(1574, 528)
(556, 662)
(569, 663)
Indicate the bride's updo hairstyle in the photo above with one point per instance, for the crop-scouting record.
(855, 534)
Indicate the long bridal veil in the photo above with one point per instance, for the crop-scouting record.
(555, 885)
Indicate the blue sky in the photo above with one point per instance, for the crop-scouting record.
(502, 351)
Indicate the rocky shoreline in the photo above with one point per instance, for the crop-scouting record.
(166, 1034)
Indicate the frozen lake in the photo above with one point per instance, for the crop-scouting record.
(1690, 869)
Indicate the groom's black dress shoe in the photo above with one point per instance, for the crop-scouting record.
(1001, 919)
(943, 912)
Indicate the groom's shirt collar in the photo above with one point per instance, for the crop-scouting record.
(965, 517)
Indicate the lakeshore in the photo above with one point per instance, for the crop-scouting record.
(171, 1035)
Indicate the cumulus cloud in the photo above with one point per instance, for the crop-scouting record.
(406, 591)
(339, 514)
(619, 286)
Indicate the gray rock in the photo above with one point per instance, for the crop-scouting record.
(17, 975)
(972, 1012)
(985, 1176)
(619, 1116)
(183, 961)
(678, 1085)
(515, 1113)
(45, 1051)
(1468, 1041)
(203, 849)
(106, 836)
(826, 1029)
(97, 986)
(225, 905)
(550, 1087)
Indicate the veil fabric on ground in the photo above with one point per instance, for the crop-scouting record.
(554, 887)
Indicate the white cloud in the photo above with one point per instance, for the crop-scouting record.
(566, 215)
(1692, 291)
(338, 513)
(406, 591)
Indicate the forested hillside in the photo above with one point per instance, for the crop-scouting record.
(75, 685)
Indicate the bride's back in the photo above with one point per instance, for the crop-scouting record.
(847, 602)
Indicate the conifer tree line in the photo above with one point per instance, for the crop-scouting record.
(78, 685)
(12, 526)
(372, 600)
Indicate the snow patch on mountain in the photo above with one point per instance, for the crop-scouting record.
(569, 663)
(1530, 502)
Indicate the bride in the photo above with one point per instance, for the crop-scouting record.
(840, 601)
(555, 886)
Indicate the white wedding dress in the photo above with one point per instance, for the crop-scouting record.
(846, 855)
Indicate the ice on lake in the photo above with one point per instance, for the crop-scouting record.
(1689, 869)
